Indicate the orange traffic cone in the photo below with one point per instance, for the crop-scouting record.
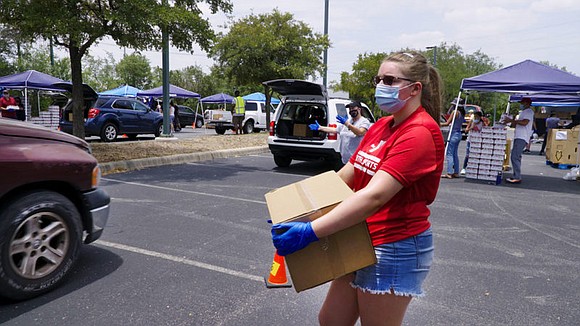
(277, 277)
(193, 125)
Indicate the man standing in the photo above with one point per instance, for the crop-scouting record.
(351, 130)
(553, 122)
(5, 102)
(522, 134)
(239, 113)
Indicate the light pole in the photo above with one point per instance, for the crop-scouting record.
(434, 54)
(325, 50)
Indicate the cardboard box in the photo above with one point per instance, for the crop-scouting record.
(562, 146)
(300, 130)
(331, 257)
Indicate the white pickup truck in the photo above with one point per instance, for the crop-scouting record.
(254, 121)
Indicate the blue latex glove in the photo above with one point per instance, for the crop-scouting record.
(292, 236)
(314, 126)
(341, 119)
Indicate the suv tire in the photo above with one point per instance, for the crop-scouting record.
(220, 130)
(199, 123)
(249, 127)
(282, 161)
(42, 231)
(109, 132)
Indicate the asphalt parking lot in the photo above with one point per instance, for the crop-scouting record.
(188, 244)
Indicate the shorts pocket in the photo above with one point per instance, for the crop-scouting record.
(425, 248)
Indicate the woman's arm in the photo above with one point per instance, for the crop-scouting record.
(359, 206)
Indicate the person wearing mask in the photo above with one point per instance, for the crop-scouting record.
(239, 113)
(351, 131)
(476, 124)
(453, 143)
(522, 134)
(395, 175)
(8, 105)
(552, 122)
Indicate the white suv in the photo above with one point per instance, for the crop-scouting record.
(304, 102)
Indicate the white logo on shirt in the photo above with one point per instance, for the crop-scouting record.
(375, 147)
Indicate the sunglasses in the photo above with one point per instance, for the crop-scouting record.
(389, 80)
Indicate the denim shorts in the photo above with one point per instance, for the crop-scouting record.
(401, 267)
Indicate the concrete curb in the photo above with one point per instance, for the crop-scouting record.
(137, 164)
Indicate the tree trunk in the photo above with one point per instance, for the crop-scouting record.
(77, 92)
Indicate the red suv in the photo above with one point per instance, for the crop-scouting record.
(49, 205)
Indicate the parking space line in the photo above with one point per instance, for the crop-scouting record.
(180, 260)
(186, 191)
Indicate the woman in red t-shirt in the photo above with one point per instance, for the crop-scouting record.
(395, 173)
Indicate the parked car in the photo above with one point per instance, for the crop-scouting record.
(303, 103)
(50, 204)
(188, 117)
(111, 116)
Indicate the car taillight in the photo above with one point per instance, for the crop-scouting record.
(332, 135)
(93, 113)
(272, 127)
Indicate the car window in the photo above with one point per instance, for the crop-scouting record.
(365, 112)
(263, 107)
(185, 109)
(341, 109)
(139, 106)
(122, 104)
(101, 101)
(251, 106)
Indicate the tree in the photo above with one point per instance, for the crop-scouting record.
(78, 24)
(269, 46)
(452, 64)
(100, 72)
(134, 70)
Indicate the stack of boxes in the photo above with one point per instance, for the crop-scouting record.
(487, 151)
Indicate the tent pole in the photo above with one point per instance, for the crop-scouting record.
(451, 126)
(25, 104)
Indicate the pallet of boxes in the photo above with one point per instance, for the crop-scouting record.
(487, 153)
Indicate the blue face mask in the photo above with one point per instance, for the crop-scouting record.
(387, 97)
(476, 120)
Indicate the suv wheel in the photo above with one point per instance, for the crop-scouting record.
(199, 123)
(282, 161)
(40, 238)
(249, 127)
(220, 130)
(159, 130)
(109, 132)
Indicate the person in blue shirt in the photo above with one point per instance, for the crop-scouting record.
(452, 154)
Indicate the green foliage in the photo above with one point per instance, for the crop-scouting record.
(452, 63)
(134, 70)
(269, 46)
(100, 73)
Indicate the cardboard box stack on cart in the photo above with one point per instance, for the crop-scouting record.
(330, 257)
(487, 151)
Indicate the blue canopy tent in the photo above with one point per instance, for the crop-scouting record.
(125, 90)
(30, 79)
(218, 98)
(260, 97)
(525, 77)
(174, 91)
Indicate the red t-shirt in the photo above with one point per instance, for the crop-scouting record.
(412, 153)
(4, 103)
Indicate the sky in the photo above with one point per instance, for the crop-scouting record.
(509, 31)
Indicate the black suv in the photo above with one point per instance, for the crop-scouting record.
(111, 116)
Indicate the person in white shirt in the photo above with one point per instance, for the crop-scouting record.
(351, 131)
(523, 131)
